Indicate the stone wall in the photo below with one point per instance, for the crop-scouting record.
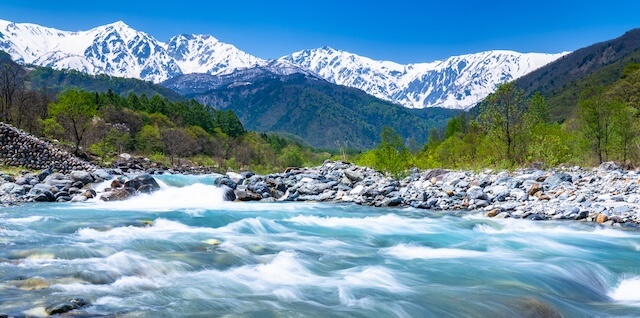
(17, 148)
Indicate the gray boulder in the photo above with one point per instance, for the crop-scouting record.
(7, 187)
(58, 179)
(102, 174)
(81, 176)
(556, 179)
(41, 193)
(67, 306)
(476, 193)
(228, 193)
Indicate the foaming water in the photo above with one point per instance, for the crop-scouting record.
(388, 223)
(160, 229)
(182, 251)
(628, 290)
(27, 220)
(189, 197)
(403, 251)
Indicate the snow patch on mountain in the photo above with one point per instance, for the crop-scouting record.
(118, 50)
(196, 53)
(458, 82)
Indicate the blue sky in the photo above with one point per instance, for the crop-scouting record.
(400, 30)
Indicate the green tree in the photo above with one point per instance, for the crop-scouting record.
(504, 117)
(626, 131)
(597, 116)
(292, 156)
(549, 144)
(148, 139)
(74, 110)
(229, 123)
(457, 124)
(391, 155)
(538, 111)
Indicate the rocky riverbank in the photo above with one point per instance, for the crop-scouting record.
(606, 194)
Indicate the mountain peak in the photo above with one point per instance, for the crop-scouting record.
(118, 25)
(194, 37)
(327, 48)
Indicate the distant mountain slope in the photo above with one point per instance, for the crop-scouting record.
(323, 114)
(55, 81)
(200, 82)
(599, 64)
(118, 50)
(458, 82)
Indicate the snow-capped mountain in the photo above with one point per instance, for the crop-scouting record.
(118, 50)
(197, 53)
(458, 82)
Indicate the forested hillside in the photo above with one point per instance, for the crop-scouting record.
(323, 114)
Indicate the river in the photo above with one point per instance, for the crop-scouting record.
(183, 252)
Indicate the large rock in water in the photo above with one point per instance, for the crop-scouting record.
(143, 183)
(69, 305)
(228, 193)
(533, 308)
(82, 176)
(117, 194)
(102, 174)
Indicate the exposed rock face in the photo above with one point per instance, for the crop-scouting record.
(18, 148)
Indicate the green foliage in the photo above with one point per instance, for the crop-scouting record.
(538, 111)
(51, 128)
(148, 139)
(597, 116)
(391, 155)
(626, 130)
(74, 110)
(549, 144)
(229, 123)
(630, 69)
(504, 118)
(292, 156)
(455, 125)
(59, 80)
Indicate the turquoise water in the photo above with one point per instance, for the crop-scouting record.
(182, 252)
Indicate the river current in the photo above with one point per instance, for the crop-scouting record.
(183, 252)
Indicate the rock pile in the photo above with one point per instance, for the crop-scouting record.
(76, 186)
(606, 195)
(18, 148)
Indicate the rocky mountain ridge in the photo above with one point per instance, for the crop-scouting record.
(116, 49)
